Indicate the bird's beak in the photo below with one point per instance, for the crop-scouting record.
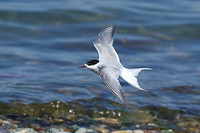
(82, 66)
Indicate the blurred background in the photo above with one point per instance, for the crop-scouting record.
(43, 42)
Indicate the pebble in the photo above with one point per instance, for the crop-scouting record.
(23, 130)
(137, 125)
(167, 131)
(85, 130)
(138, 131)
(4, 130)
(151, 131)
(112, 121)
(8, 124)
(102, 130)
(122, 131)
(54, 130)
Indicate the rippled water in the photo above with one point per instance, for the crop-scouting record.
(43, 42)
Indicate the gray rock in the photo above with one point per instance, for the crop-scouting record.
(54, 130)
(74, 127)
(85, 130)
(138, 131)
(4, 130)
(23, 130)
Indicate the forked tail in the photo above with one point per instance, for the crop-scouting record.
(130, 76)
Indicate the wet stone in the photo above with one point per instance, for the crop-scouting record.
(54, 130)
(138, 131)
(190, 125)
(167, 131)
(4, 130)
(8, 124)
(112, 121)
(23, 130)
(85, 130)
(122, 131)
(100, 128)
(151, 131)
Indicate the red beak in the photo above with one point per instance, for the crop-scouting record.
(82, 66)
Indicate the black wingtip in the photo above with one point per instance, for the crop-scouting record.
(113, 31)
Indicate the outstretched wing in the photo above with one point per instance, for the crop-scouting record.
(104, 45)
(110, 79)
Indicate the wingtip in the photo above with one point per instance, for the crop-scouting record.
(112, 28)
(122, 101)
(105, 36)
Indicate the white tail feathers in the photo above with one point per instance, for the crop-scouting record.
(129, 75)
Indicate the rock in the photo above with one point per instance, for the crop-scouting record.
(137, 125)
(152, 124)
(36, 126)
(190, 125)
(151, 131)
(58, 120)
(122, 131)
(167, 131)
(71, 117)
(8, 124)
(102, 130)
(5, 123)
(23, 130)
(2, 117)
(138, 131)
(85, 130)
(4, 130)
(112, 121)
(54, 130)
(74, 127)
(42, 131)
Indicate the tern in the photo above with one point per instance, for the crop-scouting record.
(108, 66)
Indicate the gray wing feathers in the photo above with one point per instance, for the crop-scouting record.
(113, 85)
(105, 37)
(116, 90)
(103, 43)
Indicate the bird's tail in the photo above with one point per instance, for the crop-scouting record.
(130, 76)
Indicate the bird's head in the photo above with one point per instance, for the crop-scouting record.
(89, 64)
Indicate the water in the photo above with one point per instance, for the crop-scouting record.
(43, 42)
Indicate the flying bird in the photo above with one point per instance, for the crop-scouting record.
(108, 66)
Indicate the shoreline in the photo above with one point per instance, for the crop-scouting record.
(57, 117)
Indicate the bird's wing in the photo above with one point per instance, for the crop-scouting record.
(104, 45)
(110, 79)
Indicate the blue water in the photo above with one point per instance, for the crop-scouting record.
(43, 42)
